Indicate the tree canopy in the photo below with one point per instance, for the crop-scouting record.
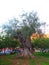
(31, 24)
(28, 24)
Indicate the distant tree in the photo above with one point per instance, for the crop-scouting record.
(2, 43)
(42, 43)
(9, 42)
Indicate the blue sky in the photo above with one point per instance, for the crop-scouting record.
(12, 8)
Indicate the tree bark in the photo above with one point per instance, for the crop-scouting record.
(26, 53)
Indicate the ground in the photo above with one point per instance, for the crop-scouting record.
(39, 59)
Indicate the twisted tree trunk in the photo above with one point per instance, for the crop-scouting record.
(26, 46)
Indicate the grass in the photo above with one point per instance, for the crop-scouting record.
(7, 59)
(40, 59)
(32, 62)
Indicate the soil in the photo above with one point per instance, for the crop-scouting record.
(25, 61)
(21, 61)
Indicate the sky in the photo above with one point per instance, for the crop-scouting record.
(12, 8)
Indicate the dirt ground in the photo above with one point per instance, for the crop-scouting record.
(21, 61)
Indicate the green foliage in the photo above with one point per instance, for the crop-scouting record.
(9, 42)
(11, 27)
(41, 54)
(31, 24)
(41, 43)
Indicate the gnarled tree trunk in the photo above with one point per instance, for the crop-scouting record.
(26, 46)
